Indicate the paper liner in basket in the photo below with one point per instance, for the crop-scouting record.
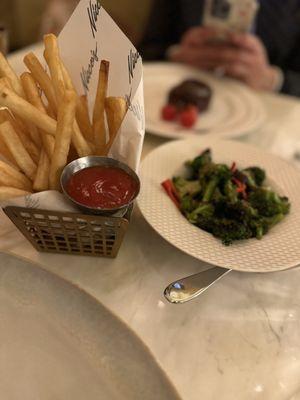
(90, 36)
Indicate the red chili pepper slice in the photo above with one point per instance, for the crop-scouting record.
(171, 191)
(241, 187)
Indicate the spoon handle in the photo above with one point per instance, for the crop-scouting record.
(192, 286)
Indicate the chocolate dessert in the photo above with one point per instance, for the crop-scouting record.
(191, 92)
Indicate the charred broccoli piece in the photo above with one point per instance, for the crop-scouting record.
(204, 210)
(185, 187)
(216, 175)
(188, 204)
(225, 229)
(255, 175)
(230, 191)
(261, 225)
(199, 162)
(240, 211)
(268, 203)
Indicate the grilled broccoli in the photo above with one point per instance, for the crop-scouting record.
(268, 203)
(216, 175)
(184, 187)
(204, 210)
(240, 211)
(230, 191)
(229, 203)
(199, 162)
(227, 230)
(256, 175)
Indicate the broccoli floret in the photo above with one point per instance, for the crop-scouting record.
(259, 227)
(199, 162)
(272, 221)
(188, 204)
(255, 175)
(262, 225)
(230, 192)
(225, 229)
(184, 187)
(240, 211)
(217, 174)
(217, 196)
(268, 203)
(203, 210)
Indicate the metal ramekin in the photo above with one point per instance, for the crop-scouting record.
(92, 161)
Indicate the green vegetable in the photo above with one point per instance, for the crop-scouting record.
(184, 187)
(229, 203)
(199, 162)
(256, 175)
(268, 203)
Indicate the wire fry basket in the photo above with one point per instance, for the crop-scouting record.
(70, 233)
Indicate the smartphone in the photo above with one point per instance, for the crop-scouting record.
(230, 15)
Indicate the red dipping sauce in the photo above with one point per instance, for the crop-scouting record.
(102, 187)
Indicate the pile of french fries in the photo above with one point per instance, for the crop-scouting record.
(45, 123)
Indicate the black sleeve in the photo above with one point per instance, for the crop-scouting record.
(291, 72)
(163, 29)
(291, 83)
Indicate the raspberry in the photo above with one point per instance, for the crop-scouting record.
(189, 116)
(169, 112)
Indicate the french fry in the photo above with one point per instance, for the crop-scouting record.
(41, 181)
(28, 112)
(33, 96)
(26, 84)
(99, 108)
(50, 112)
(116, 109)
(83, 148)
(20, 154)
(34, 134)
(29, 145)
(25, 110)
(43, 79)
(5, 152)
(10, 176)
(82, 113)
(83, 118)
(65, 129)
(7, 71)
(7, 193)
(66, 77)
(52, 57)
(18, 121)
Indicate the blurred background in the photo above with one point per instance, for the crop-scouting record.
(26, 21)
(266, 58)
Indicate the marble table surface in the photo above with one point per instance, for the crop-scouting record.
(239, 340)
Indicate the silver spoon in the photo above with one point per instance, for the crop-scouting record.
(192, 286)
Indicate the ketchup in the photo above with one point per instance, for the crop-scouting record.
(102, 187)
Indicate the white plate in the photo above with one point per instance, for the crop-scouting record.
(278, 250)
(235, 110)
(57, 342)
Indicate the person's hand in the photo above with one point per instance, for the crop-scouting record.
(199, 48)
(247, 60)
(241, 56)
